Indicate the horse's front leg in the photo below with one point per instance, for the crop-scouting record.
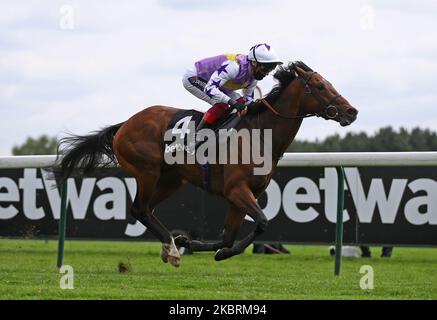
(233, 220)
(243, 198)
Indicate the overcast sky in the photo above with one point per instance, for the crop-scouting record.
(76, 66)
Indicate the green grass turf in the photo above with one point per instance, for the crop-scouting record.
(28, 271)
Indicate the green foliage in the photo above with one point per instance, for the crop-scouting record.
(384, 140)
(39, 146)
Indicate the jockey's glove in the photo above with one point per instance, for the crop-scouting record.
(236, 105)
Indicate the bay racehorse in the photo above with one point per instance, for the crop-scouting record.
(137, 145)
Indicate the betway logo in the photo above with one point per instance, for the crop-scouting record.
(78, 197)
(418, 210)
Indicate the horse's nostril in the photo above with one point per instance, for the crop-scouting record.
(352, 111)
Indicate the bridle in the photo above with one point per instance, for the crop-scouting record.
(325, 110)
(328, 111)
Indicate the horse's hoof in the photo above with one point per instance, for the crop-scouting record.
(223, 254)
(169, 253)
(182, 241)
(174, 261)
(164, 257)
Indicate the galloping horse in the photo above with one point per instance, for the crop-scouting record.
(138, 146)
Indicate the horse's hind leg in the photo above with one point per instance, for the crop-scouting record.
(168, 183)
(142, 210)
(234, 219)
(138, 149)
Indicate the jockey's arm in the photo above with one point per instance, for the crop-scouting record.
(227, 71)
(248, 93)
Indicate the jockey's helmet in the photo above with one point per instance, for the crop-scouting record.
(263, 53)
(265, 58)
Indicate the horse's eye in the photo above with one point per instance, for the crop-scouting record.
(321, 87)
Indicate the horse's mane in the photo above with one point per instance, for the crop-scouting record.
(284, 76)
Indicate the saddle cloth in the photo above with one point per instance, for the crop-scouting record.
(184, 122)
(181, 129)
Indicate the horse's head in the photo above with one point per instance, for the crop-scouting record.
(321, 97)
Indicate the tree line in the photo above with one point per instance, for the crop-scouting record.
(384, 140)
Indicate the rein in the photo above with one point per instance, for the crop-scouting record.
(269, 106)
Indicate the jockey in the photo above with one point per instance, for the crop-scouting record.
(216, 79)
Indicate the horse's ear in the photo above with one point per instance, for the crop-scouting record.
(293, 68)
(298, 70)
(302, 65)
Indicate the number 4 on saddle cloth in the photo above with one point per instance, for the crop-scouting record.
(181, 129)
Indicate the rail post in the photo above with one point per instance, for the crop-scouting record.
(339, 222)
(62, 224)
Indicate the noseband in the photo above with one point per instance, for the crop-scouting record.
(328, 110)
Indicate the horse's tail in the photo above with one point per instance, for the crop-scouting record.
(86, 152)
